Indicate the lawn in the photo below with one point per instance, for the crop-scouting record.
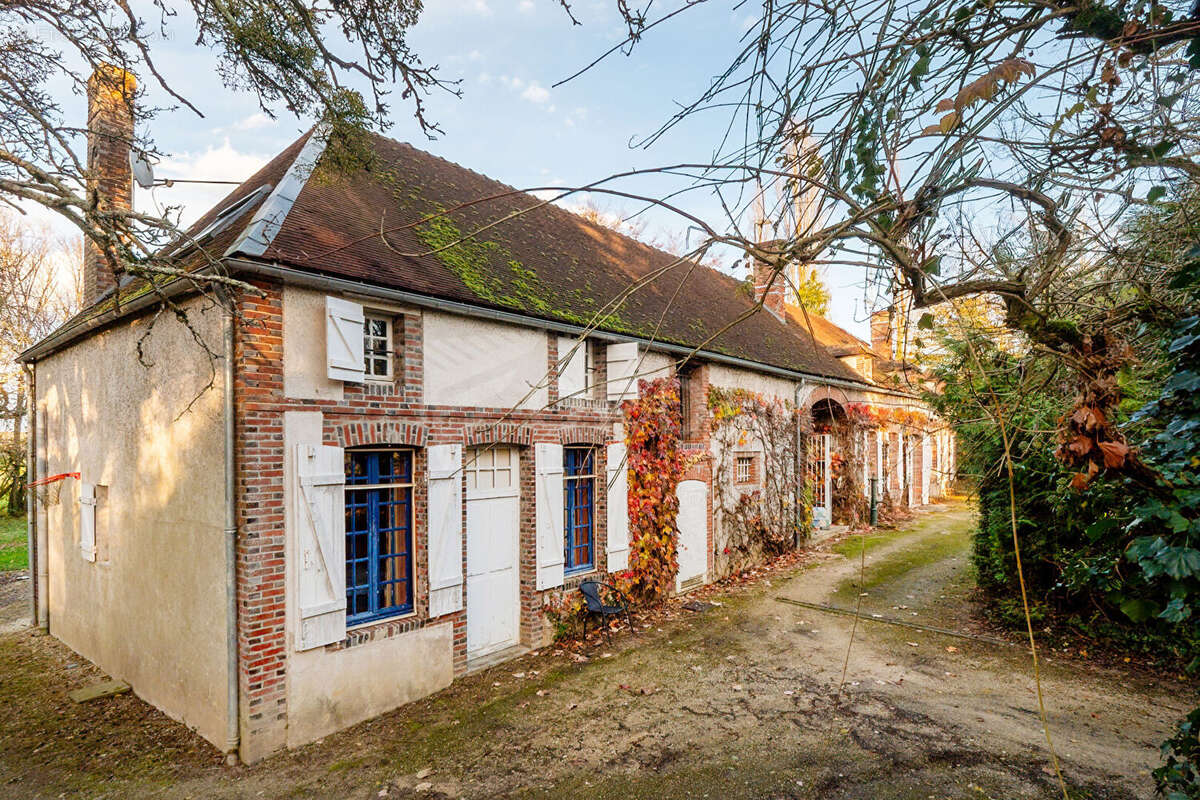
(14, 553)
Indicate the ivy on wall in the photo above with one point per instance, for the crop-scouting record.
(766, 520)
(657, 463)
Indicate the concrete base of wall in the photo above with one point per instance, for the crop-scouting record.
(329, 690)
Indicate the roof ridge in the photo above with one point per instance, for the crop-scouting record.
(260, 231)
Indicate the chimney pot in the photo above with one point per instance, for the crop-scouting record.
(109, 176)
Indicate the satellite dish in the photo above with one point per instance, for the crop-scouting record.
(143, 172)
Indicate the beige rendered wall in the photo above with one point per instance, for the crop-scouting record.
(475, 362)
(329, 689)
(151, 609)
(653, 364)
(305, 373)
(767, 385)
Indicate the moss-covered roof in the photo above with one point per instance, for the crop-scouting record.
(416, 222)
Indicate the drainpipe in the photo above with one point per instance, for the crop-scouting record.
(42, 520)
(799, 491)
(233, 690)
(31, 475)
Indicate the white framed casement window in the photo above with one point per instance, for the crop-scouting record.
(377, 347)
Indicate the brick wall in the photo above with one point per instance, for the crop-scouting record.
(262, 643)
(373, 413)
(110, 93)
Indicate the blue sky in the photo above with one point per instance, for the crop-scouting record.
(510, 123)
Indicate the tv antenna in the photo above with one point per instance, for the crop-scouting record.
(143, 173)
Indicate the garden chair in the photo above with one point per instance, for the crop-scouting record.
(596, 605)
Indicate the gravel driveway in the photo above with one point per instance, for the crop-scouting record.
(738, 701)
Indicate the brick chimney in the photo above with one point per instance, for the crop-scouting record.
(769, 286)
(881, 333)
(109, 176)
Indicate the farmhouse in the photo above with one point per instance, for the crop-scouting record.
(372, 476)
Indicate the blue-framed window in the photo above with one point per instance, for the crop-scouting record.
(579, 485)
(379, 548)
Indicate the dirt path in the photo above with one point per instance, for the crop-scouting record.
(737, 702)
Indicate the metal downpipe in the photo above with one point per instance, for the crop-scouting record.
(233, 688)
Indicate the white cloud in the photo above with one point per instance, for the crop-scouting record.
(484, 78)
(480, 7)
(525, 6)
(575, 116)
(474, 55)
(222, 163)
(512, 83)
(254, 122)
(535, 93)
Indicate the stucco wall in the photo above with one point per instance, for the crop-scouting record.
(332, 688)
(151, 609)
(475, 362)
(305, 374)
(766, 385)
(653, 364)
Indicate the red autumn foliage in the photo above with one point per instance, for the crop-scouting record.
(657, 462)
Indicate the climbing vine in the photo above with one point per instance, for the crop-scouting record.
(657, 463)
(763, 518)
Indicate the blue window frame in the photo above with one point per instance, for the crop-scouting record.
(379, 552)
(579, 467)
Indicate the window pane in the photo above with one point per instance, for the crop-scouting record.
(356, 467)
(378, 534)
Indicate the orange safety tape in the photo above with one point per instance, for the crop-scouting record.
(53, 478)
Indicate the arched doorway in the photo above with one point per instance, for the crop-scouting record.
(837, 453)
(828, 416)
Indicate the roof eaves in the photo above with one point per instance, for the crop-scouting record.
(308, 277)
(267, 221)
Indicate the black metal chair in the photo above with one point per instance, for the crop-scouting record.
(596, 605)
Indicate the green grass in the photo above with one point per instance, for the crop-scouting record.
(852, 546)
(933, 539)
(14, 553)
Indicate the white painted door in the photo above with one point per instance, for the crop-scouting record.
(493, 548)
(693, 533)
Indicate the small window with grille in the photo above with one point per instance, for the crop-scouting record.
(743, 469)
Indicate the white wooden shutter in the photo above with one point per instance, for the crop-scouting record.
(926, 457)
(549, 500)
(320, 515)
(572, 369)
(881, 488)
(87, 521)
(344, 340)
(621, 364)
(445, 529)
(618, 508)
(866, 463)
